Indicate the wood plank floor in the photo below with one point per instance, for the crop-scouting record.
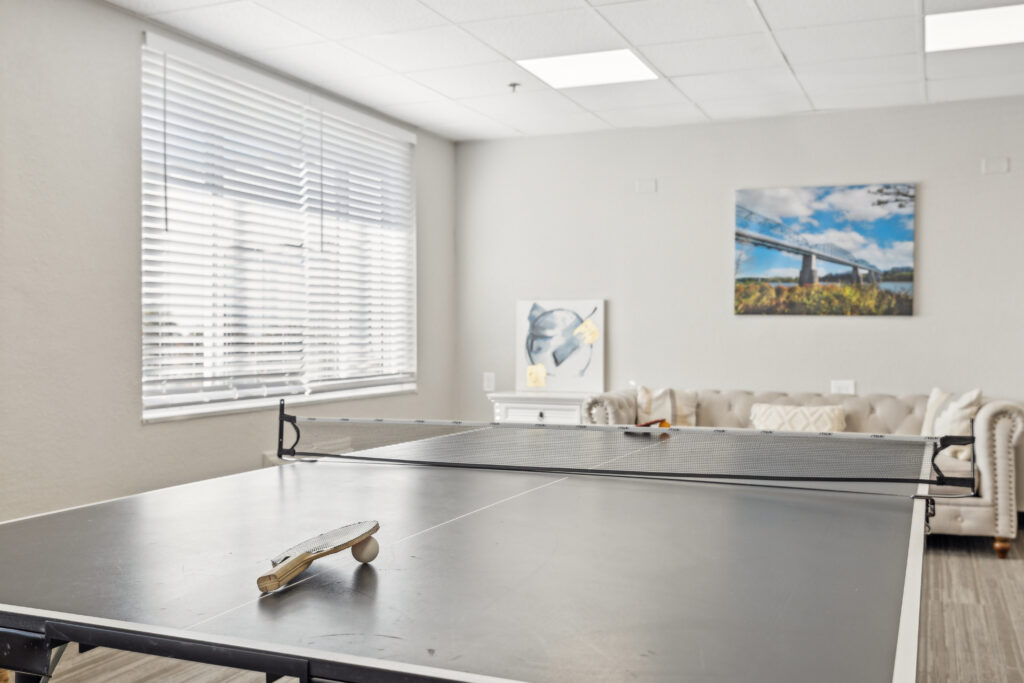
(972, 627)
(972, 621)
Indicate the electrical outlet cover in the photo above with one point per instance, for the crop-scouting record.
(843, 386)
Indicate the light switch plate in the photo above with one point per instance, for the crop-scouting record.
(844, 386)
(488, 381)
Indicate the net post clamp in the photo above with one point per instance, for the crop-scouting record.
(942, 444)
(929, 511)
(283, 417)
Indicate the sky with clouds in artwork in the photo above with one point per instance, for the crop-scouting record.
(868, 221)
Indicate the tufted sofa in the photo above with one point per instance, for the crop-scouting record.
(998, 427)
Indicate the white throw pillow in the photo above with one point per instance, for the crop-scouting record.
(665, 404)
(686, 409)
(950, 415)
(783, 418)
(937, 398)
(654, 404)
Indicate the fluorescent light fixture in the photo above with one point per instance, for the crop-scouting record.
(591, 68)
(974, 28)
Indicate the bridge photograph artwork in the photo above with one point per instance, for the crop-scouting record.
(830, 250)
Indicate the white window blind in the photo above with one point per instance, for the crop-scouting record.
(278, 243)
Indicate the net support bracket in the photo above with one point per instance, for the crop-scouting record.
(942, 444)
(283, 417)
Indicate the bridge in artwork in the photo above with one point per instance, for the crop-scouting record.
(761, 231)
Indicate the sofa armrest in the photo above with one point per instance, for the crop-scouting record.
(998, 427)
(611, 408)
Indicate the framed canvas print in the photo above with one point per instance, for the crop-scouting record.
(830, 250)
(560, 345)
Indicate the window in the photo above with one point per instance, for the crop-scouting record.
(278, 240)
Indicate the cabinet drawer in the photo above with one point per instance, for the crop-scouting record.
(565, 415)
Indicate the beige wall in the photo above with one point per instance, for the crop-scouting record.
(70, 397)
(558, 217)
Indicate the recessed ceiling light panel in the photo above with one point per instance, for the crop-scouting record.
(592, 68)
(974, 28)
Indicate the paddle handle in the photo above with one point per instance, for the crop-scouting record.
(284, 572)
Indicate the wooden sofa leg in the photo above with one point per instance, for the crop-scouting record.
(1002, 547)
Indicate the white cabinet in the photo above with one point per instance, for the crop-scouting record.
(538, 408)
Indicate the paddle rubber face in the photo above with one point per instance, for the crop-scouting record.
(298, 558)
(340, 538)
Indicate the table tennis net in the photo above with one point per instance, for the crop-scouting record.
(684, 453)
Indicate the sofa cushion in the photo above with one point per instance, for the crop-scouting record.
(797, 418)
(874, 413)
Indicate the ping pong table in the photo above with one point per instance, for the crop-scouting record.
(485, 573)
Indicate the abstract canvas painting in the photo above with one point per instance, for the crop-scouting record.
(831, 250)
(560, 345)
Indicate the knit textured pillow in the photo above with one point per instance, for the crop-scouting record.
(781, 418)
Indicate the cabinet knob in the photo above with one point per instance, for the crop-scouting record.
(540, 414)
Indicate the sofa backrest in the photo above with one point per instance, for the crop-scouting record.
(875, 413)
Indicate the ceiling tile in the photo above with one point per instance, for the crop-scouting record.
(979, 61)
(662, 115)
(796, 13)
(670, 21)
(619, 95)
(739, 84)
(732, 53)
(582, 122)
(978, 87)
(941, 6)
(478, 80)
(241, 26)
(451, 120)
(881, 95)
(751, 107)
(858, 40)
(392, 89)
(338, 19)
(548, 35)
(854, 73)
(150, 7)
(524, 107)
(320, 62)
(432, 48)
(477, 10)
(348, 74)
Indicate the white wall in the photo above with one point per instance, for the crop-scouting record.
(70, 348)
(558, 217)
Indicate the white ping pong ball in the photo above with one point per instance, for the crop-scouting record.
(365, 551)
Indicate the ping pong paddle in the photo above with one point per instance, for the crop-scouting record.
(297, 559)
(664, 424)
